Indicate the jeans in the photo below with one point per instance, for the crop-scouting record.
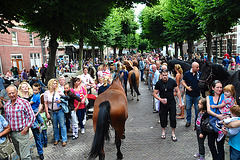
(39, 119)
(15, 76)
(213, 122)
(80, 115)
(142, 74)
(43, 136)
(189, 102)
(59, 118)
(201, 143)
(37, 138)
(217, 153)
(234, 154)
(74, 123)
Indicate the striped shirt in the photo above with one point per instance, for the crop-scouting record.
(106, 73)
(19, 115)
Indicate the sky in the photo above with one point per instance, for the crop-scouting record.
(137, 9)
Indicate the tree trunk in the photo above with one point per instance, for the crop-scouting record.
(53, 44)
(114, 52)
(80, 53)
(190, 49)
(120, 52)
(176, 50)
(209, 46)
(167, 49)
(93, 55)
(101, 55)
(181, 49)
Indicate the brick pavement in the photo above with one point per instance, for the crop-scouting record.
(142, 141)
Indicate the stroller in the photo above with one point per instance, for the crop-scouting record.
(90, 106)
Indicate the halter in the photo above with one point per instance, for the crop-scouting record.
(209, 78)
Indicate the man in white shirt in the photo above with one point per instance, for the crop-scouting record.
(61, 83)
(155, 74)
(87, 79)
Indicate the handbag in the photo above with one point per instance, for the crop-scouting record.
(86, 102)
(205, 124)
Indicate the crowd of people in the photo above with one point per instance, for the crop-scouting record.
(30, 105)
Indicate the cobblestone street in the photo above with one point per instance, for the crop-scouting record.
(143, 138)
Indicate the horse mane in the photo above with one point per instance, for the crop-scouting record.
(220, 70)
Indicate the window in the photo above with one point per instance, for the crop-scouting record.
(14, 38)
(31, 39)
(35, 59)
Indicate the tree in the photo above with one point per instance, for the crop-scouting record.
(120, 28)
(153, 28)
(182, 22)
(216, 17)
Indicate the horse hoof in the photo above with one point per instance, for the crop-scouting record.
(137, 99)
(119, 155)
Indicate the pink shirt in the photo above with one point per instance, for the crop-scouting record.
(229, 103)
(48, 97)
(81, 93)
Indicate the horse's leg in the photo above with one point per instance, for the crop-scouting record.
(102, 155)
(131, 87)
(137, 98)
(118, 145)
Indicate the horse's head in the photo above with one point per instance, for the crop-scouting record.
(118, 78)
(206, 77)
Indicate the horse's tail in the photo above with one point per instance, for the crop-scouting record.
(102, 129)
(134, 83)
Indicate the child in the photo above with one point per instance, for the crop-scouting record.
(235, 112)
(43, 135)
(99, 84)
(224, 108)
(72, 109)
(201, 135)
(35, 102)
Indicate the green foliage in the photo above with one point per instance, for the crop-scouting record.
(217, 16)
(119, 28)
(180, 20)
(152, 24)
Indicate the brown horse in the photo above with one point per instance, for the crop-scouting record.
(129, 65)
(133, 78)
(110, 108)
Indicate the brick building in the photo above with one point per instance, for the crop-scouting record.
(221, 44)
(20, 48)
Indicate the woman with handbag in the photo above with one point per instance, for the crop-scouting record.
(215, 98)
(52, 103)
(80, 91)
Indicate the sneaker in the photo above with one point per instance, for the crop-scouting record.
(41, 156)
(220, 136)
(197, 155)
(218, 125)
(188, 124)
(73, 138)
(201, 158)
(82, 130)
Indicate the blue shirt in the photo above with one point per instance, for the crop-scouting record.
(212, 103)
(1, 83)
(141, 65)
(3, 124)
(192, 80)
(234, 141)
(155, 77)
(36, 101)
